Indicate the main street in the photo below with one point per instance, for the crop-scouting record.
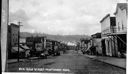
(70, 62)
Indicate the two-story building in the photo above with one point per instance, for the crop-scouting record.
(114, 31)
(14, 34)
(121, 14)
(108, 25)
(12, 37)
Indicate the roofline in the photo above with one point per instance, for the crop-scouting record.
(13, 24)
(116, 11)
(117, 7)
(104, 18)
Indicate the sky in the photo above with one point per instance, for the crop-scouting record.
(61, 17)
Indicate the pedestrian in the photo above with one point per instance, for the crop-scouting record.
(27, 54)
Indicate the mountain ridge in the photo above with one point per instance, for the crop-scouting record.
(67, 38)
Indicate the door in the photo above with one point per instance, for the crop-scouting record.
(103, 47)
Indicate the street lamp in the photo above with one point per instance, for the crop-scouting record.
(19, 39)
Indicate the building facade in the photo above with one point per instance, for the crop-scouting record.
(121, 14)
(114, 31)
(12, 37)
(108, 26)
(14, 34)
(96, 42)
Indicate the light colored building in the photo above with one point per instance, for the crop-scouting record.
(121, 17)
(121, 14)
(108, 26)
(105, 25)
(114, 31)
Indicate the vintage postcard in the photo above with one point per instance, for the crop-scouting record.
(64, 36)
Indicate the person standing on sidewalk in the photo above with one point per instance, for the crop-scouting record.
(27, 54)
(77, 47)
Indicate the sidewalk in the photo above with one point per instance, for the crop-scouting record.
(20, 60)
(119, 62)
(14, 60)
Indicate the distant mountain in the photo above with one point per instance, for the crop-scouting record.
(66, 38)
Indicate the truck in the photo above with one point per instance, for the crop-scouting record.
(37, 45)
(52, 47)
(56, 48)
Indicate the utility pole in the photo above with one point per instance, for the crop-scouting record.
(19, 39)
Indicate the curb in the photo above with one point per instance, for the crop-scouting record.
(14, 62)
(107, 63)
(21, 61)
(25, 60)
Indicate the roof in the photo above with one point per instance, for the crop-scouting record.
(122, 6)
(15, 49)
(15, 25)
(96, 35)
(105, 18)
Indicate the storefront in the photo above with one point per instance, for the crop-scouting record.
(119, 42)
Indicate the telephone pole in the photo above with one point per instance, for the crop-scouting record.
(19, 24)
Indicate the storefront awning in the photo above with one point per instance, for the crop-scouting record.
(15, 49)
(24, 47)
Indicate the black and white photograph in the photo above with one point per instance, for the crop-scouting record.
(64, 36)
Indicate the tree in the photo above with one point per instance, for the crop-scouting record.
(84, 41)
